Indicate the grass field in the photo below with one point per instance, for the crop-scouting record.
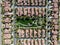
(30, 21)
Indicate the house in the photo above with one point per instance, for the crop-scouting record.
(55, 21)
(25, 2)
(43, 11)
(56, 16)
(7, 30)
(55, 42)
(6, 3)
(8, 13)
(32, 12)
(7, 6)
(39, 41)
(20, 2)
(43, 2)
(43, 33)
(7, 25)
(7, 41)
(29, 2)
(7, 20)
(24, 43)
(25, 11)
(35, 33)
(7, 9)
(32, 41)
(54, 37)
(43, 41)
(32, 2)
(19, 32)
(29, 11)
(55, 5)
(28, 42)
(22, 33)
(19, 11)
(55, 9)
(6, 36)
(39, 33)
(36, 42)
(55, 32)
(40, 2)
(55, 1)
(36, 11)
(40, 11)
(36, 2)
(56, 26)
(27, 33)
(31, 33)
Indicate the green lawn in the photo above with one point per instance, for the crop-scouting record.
(29, 21)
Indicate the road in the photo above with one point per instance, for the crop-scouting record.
(0, 31)
(0, 25)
